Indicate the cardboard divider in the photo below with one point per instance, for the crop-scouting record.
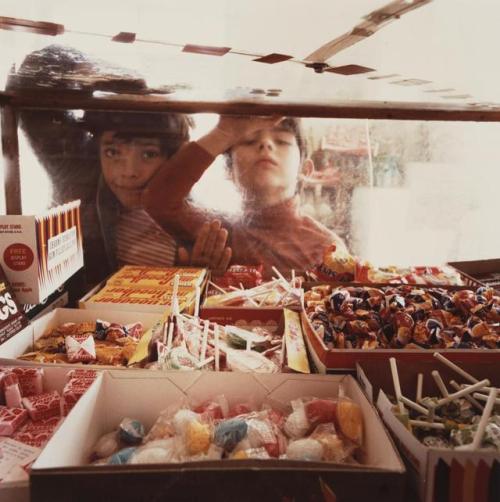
(144, 394)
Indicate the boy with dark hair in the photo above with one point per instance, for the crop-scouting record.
(265, 158)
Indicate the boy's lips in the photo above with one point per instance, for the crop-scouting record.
(266, 160)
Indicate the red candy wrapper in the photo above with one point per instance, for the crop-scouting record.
(37, 433)
(78, 373)
(12, 391)
(249, 276)
(43, 406)
(320, 411)
(30, 380)
(11, 419)
(73, 391)
(80, 348)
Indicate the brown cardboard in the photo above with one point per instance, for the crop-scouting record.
(376, 380)
(326, 359)
(23, 341)
(479, 272)
(62, 471)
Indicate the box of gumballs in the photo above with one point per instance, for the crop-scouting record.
(223, 436)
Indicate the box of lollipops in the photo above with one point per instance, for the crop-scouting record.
(190, 435)
(445, 418)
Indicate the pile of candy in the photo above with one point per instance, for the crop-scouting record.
(30, 414)
(458, 420)
(98, 342)
(276, 293)
(311, 429)
(184, 342)
(405, 317)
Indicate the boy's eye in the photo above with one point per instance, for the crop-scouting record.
(150, 154)
(111, 152)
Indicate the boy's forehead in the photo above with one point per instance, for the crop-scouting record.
(110, 137)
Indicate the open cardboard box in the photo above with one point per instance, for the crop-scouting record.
(273, 319)
(24, 340)
(61, 471)
(53, 379)
(477, 273)
(437, 474)
(326, 359)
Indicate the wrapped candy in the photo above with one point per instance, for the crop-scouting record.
(350, 420)
(131, 431)
(197, 437)
(334, 448)
(30, 380)
(297, 424)
(80, 348)
(229, 433)
(43, 405)
(11, 419)
(305, 449)
(159, 451)
(123, 456)
(107, 445)
(12, 390)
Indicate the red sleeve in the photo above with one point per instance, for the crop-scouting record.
(166, 196)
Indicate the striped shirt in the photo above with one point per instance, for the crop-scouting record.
(141, 241)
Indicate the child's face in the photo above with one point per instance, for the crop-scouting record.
(128, 165)
(268, 159)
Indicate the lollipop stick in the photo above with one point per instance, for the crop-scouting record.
(397, 385)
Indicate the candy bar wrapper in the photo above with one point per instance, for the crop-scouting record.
(294, 342)
(37, 433)
(43, 406)
(249, 276)
(80, 348)
(80, 373)
(30, 380)
(12, 390)
(73, 391)
(157, 277)
(124, 294)
(11, 419)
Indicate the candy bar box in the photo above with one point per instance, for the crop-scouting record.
(38, 253)
(147, 289)
(33, 403)
(91, 337)
(454, 457)
(130, 401)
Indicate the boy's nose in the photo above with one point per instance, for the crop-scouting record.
(266, 143)
(128, 165)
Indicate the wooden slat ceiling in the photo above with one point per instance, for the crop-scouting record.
(425, 59)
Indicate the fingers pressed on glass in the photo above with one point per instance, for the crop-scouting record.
(199, 243)
(210, 242)
(224, 261)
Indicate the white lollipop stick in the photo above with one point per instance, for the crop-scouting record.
(427, 425)
(170, 335)
(439, 382)
(469, 398)
(197, 302)
(461, 393)
(218, 288)
(478, 436)
(165, 332)
(397, 385)
(454, 367)
(420, 383)
(482, 397)
(415, 406)
(216, 345)
(282, 279)
(203, 352)
(204, 362)
(283, 349)
(175, 291)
